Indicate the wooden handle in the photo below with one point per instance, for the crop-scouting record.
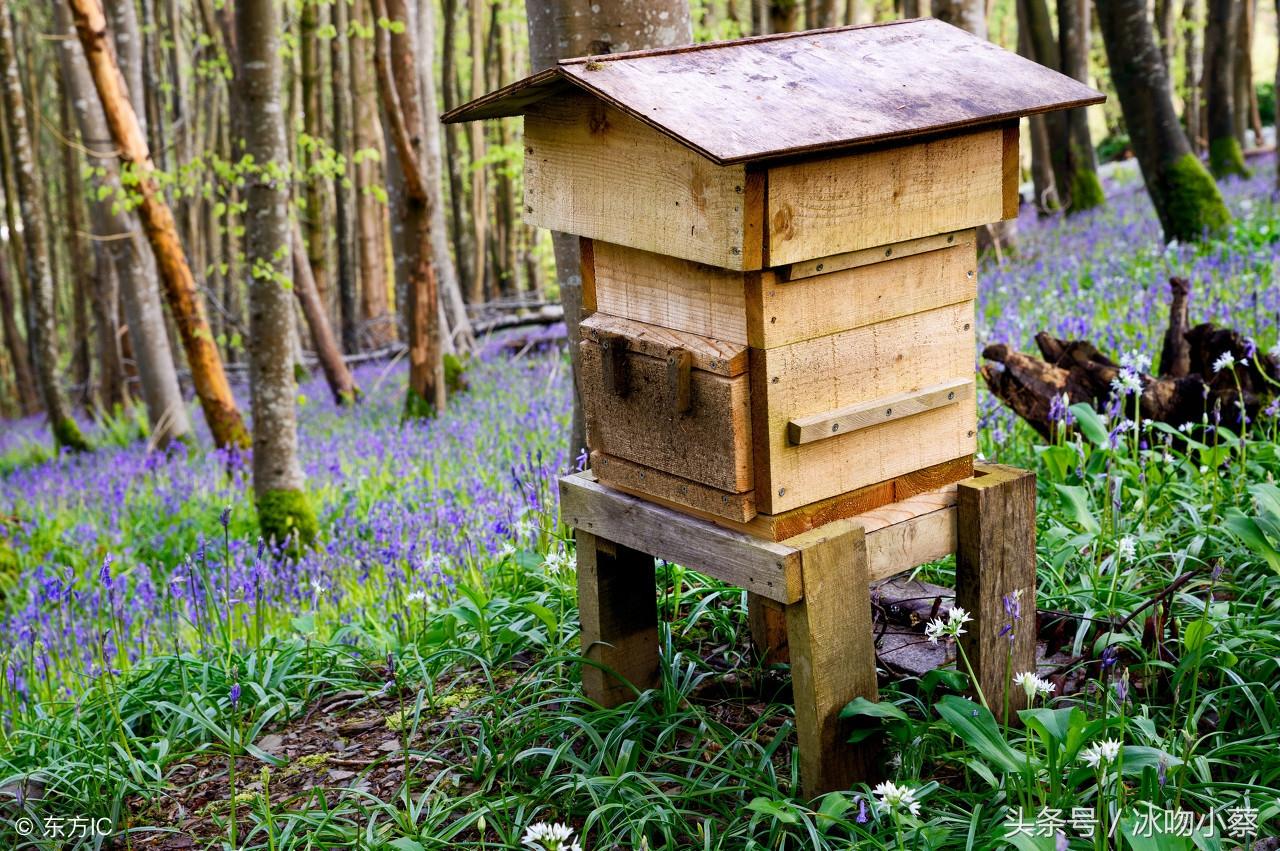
(679, 365)
(801, 430)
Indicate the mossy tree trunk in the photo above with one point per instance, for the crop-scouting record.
(42, 330)
(1225, 154)
(284, 511)
(1186, 199)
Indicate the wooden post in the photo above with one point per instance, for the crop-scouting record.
(996, 557)
(768, 623)
(832, 656)
(618, 604)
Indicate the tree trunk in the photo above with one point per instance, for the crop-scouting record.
(1083, 189)
(784, 16)
(43, 330)
(1036, 27)
(188, 312)
(1225, 154)
(397, 72)
(560, 30)
(1192, 73)
(283, 508)
(1165, 15)
(344, 203)
(453, 144)
(1184, 195)
(336, 374)
(24, 381)
(1046, 198)
(969, 15)
(312, 78)
(1244, 94)
(85, 270)
(479, 187)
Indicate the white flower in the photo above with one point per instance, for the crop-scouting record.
(1033, 685)
(418, 596)
(895, 798)
(1127, 383)
(557, 560)
(933, 630)
(952, 627)
(1225, 361)
(507, 551)
(1126, 548)
(1102, 753)
(1136, 361)
(550, 837)
(1185, 428)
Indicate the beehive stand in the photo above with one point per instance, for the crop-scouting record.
(820, 579)
(776, 366)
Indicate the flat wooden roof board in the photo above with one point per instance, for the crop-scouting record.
(795, 93)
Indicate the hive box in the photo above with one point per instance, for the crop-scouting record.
(779, 257)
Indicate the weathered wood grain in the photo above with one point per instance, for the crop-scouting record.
(670, 292)
(868, 256)
(767, 621)
(763, 567)
(996, 557)
(829, 424)
(617, 605)
(822, 207)
(594, 171)
(708, 354)
(1012, 172)
(845, 369)
(673, 491)
(779, 313)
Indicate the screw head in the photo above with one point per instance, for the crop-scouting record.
(835, 426)
(888, 412)
(819, 267)
(951, 395)
(782, 491)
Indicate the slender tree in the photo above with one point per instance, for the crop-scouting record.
(24, 381)
(1080, 163)
(284, 510)
(1225, 154)
(1185, 197)
(969, 15)
(43, 330)
(341, 383)
(343, 197)
(208, 376)
(479, 188)
(1192, 61)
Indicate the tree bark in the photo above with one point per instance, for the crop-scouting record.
(1080, 167)
(1165, 15)
(784, 16)
(43, 330)
(312, 78)
(1193, 60)
(336, 374)
(479, 187)
(1046, 197)
(397, 73)
(283, 508)
(23, 379)
(344, 203)
(969, 15)
(188, 312)
(568, 28)
(1184, 195)
(1225, 154)
(87, 273)
(453, 143)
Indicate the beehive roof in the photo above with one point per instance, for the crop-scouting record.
(778, 95)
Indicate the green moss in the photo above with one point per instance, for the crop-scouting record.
(287, 515)
(455, 374)
(8, 569)
(1193, 204)
(300, 372)
(1226, 158)
(416, 407)
(67, 433)
(1086, 191)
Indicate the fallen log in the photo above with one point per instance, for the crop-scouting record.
(1205, 370)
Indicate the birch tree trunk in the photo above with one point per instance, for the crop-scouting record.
(1184, 194)
(567, 28)
(42, 332)
(131, 256)
(1225, 155)
(207, 374)
(284, 511)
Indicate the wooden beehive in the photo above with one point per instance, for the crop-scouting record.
(779, 257)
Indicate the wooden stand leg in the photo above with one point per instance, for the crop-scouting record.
(996, 557)
(768, 622)
(618, 606)
(832, 658)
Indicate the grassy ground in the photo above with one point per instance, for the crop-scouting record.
(412, 683)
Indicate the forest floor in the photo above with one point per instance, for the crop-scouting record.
(412, 682)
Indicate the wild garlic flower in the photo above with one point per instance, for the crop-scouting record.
(1126, 548)
(1034, 685)
(545, 836)
(894, 798)
(1101, 753)
(1225, 361)
(418, 596)
(952, 627)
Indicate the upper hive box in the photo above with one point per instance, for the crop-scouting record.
(779, 259)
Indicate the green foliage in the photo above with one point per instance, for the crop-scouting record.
(1114, 147)
(1267, 102)
(417, 407)
(1226, 158)
(455, 377)
(287, 515)
(68, 435)
(1193, 204)
(1086, 191)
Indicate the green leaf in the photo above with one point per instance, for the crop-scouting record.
(1140, 757)
(1076, 500)
(1249, 533)
(404, 843)
(1091, 425)
(773, 809)
(1195, 633)
(976, 727)
(951, 678)
(870, 715)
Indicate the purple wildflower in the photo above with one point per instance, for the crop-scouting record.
(235, 695)
(863, 816)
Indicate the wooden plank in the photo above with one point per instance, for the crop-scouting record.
(710, 444)
(782, 313)
(845, 369)
(847, 203)
(904, 546)
(767, 621)
(829, 424)
(996, 557)
(764, 567)
(593, 170)
(617, 605)
(587, 266)
(1012, 172)
(868, 256)
(833, 655)
(709, 355)
(673, 491)
(670, 292)
(755, 224)
(932, 478)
